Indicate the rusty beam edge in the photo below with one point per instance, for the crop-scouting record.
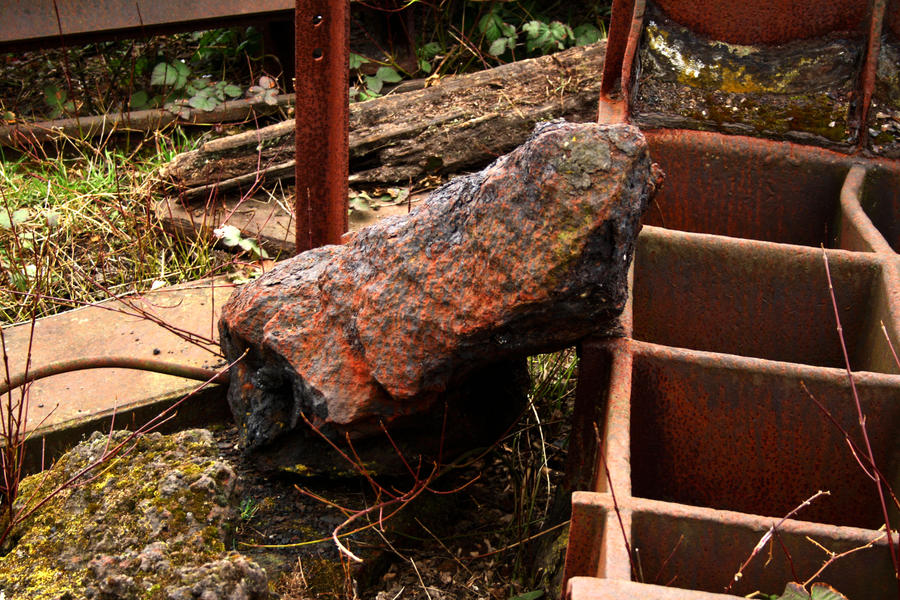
(761, 366)
(738, 246)
(593, 501)
(35, 23)
(322, 30)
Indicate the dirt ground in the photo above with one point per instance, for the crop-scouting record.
(459, 546)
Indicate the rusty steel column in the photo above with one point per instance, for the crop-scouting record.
(322, 118)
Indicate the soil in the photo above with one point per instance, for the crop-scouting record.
(461, 545)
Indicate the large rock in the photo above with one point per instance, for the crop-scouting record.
(440, 307)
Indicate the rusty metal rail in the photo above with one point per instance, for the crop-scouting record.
(322, 119)
(39, 22)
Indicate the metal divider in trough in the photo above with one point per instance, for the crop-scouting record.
(714, 412)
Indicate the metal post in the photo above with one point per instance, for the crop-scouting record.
(322, 120)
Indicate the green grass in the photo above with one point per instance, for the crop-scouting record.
(77, 225)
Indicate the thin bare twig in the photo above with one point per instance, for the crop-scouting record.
(768, 536)
(862, 425)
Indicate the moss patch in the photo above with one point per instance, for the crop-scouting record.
(800, 91)
(151, 523)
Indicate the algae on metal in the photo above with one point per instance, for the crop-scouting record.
(151, 523)
(802, 91)
(884, 115)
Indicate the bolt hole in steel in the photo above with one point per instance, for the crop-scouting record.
(317, 20)
(317, 54)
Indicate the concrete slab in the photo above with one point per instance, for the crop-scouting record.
(82, 400)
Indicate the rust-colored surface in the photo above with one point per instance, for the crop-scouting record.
(31, 20)
(707, 433)
(741, 434)
(322, 116)
(115, 329)
(588, 588)
(746, 187)
(732, 296)
(389, 324)
(701, 549)
(768, 21)
(881, 201)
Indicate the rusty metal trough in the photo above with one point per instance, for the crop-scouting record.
(707, 434)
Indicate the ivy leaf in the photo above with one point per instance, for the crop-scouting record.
(374, 84)
(250, 245)
(204, 102)
(559, 32)
(818, 591)
(489, 25)
(532, 28)
(228, 234)
(52, 219)
(54, 96)
(430, 50)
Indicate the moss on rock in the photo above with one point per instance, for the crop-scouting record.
(153, 522)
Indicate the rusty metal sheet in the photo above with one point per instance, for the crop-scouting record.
(768, 21)
(322, 120)
(751, 298)
(36, 19)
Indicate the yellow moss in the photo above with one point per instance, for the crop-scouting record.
(55, 544)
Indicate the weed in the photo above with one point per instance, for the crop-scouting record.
(78, 225)
(249, 507)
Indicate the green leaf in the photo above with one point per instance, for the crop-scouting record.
(204, 102)
(818, 591)
(587, 34)
(424, 66)
(559, 31)
(172, 75)
(388, 74)
(794, 591)
(4, 220)
(374, 84)
(430, 50)
(498, 47)
(139, 100)
(163, 74)
(229, 234)
(823, 591)
(489, 25)
(20, 216)
(232, 91)
(54, 96)
(52, 219)
(533, 28)
(356, 61)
